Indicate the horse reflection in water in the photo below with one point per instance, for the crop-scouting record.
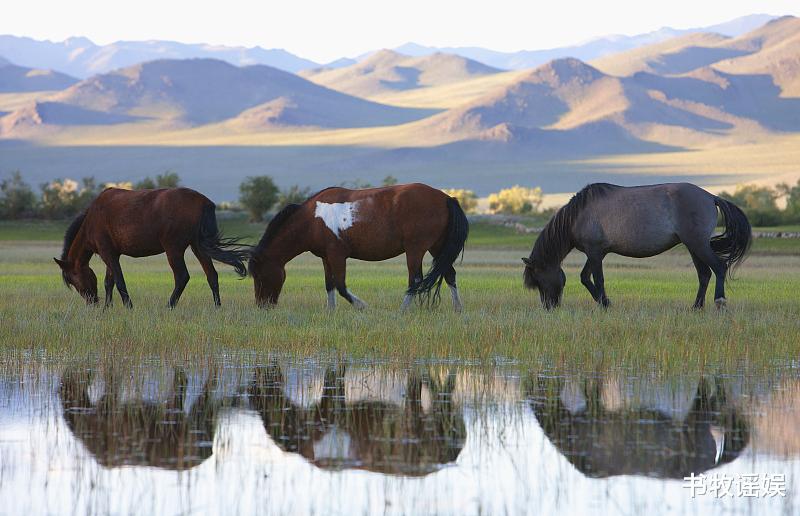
(602, 442)
(406, 438)
(140, 433)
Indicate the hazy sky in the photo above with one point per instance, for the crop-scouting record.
(326, 30)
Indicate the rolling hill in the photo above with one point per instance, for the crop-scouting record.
(18, 79)
(773, 49)
(389, 71)
(202, 91)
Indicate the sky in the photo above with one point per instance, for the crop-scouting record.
(326, 30)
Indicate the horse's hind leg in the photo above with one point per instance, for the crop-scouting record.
(586, 279)
(703, 276)
(109, 286)
(180, 272)
(450, 278)
(706, 255)
(211, 273)
(414, 264)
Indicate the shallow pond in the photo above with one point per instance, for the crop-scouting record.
(285, 436)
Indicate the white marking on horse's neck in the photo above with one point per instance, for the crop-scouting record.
(338, 216)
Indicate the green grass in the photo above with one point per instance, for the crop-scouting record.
(649, 323)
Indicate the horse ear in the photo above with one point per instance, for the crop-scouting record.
(527, 261)
(64, 264)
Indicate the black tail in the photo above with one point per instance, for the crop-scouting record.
(733, 244)
(225, 250)
(457, 232)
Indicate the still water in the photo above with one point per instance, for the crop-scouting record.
(280, 436)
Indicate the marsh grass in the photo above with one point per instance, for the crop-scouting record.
(649, 322)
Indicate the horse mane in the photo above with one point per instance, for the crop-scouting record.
(72, 232)
(555, 240)
(273, 227)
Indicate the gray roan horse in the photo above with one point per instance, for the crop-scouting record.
(639, 222)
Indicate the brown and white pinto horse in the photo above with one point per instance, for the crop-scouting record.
(373, 224)
(145, 223)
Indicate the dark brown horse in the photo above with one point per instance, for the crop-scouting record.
(639, 222)
(373, 224)
(145, 223)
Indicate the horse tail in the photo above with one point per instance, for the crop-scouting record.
(456, 236)
(226, 250)
(733, 244)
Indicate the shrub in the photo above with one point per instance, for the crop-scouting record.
(516, 200)
(166, 180)
(293, 195)
(257, 195)
(65, 198)
(466, 198)
(17, 200)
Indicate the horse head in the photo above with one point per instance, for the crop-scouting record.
(549, 280)
(80, 276)
(268, 279)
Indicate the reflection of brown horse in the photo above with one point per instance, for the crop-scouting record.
(373, 224)
(140, 433)
(145, 223)
(602, 443)
(375, 436)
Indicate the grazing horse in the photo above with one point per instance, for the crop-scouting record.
(145, 223)
(639, 222)
(373, 224)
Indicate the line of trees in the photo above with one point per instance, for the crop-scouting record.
(63, 198)
(259, 195)
(760, 203)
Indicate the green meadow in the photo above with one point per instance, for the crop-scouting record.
(648, 325)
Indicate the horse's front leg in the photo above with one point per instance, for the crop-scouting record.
(330, 285)
(112, 262)
(599, 282)
(338, 265)
(586, 279)
(109, 286)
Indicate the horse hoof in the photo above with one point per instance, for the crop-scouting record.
(721, 303)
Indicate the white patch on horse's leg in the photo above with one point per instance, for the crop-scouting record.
(407, 302)
(356, 301)
(337, 216)
(331, 299)
(721, 303)
(457, 306)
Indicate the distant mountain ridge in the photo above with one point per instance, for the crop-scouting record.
(82, 58)
(587, 51)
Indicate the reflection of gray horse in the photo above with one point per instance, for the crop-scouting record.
(376, 436)
(140, 433)
(604, 443)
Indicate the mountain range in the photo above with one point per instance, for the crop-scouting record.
(712, 107)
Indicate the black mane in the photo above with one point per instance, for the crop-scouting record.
(274, 225)
(71, 233)
(555, 240)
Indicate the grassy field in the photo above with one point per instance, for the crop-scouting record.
(648, 324)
